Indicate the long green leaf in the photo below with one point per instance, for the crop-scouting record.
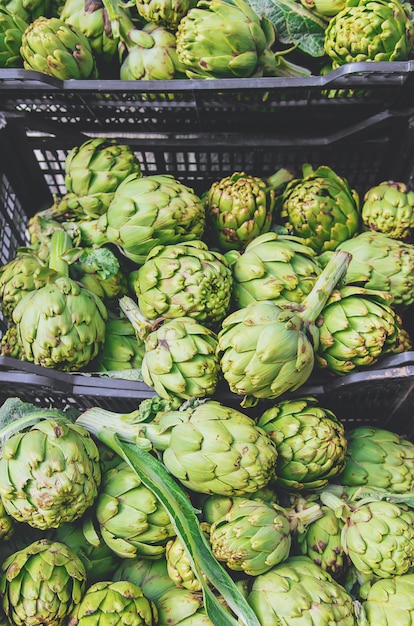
(153, 475)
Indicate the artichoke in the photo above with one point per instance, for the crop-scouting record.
(21, 275)
(252, 537)
(132, 521)
(357, 327)
(117, 603)
(151, 575)
(147, 211)
(53, 47)
(152, 55)
(90, 17)
(242, 50)
(378, 458)
(167, 13)
(184, 279)
(389, 208)
(12, 28)
(49, 474)
(93, 172)
(389, 601)
(273, 267)
(266, 349)
(238, 208)
(99, 270)
(370, 30)
(180, 358)
(41, 584)
(320, 207)
(377, 536)
(299, 592)
(182, 607)
(382, 263)
(122, 349)
(179, 565)
(61, 325)
(310, 443)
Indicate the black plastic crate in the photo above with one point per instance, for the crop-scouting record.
(347, 95)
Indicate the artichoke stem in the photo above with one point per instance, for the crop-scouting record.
(60, 243)
(326, 282)
(279, 179)
(299, 520)
(141, 325)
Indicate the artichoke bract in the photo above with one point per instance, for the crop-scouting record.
(132, 521)
(41, 584)
(273, 267)
(297, 591)
(60, 325)
(382, 263)
(252, 537)
(93, 172)
(389, 208)
(12, 28)
(266, 349)
(320, 207)
(241, 51)
(50, 474)
(147, 211)
(185, 279)
(357, 327)
(239, 208)
(370, 30)
(180, 359)
(377, 457)
(310, 442)
(151, 575)
(120, 602)
(53, 47)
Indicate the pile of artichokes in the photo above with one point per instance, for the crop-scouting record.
(305, 522)
(172, 39)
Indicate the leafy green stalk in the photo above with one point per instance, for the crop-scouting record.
(154, 476)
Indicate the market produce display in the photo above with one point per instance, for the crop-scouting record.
(153, 40)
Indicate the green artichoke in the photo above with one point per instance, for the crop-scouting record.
(152, 55)
(12, 28)
(252, 537)
(320, 207)
(115, 603)
(132, 521)
(380, 262)
(18, 8)
(49, 474)
(53, 47)
(238, 208)
(370, 30)
(41, 584)
(377, 536)
(389, 208)
(122, 349)
(389, 601)
(167, 13)
(180, 359)
(242, 50)
(60, 325)
(90, 17)
(266, 349)
(179, 566)
(299, 592)
(184, 279)
(23, 274)
(151, 575)
(273, 267)
(94, 171)
(152, 210)
(310, 443)
(357, 327)
(378, 458)
(182, 607)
